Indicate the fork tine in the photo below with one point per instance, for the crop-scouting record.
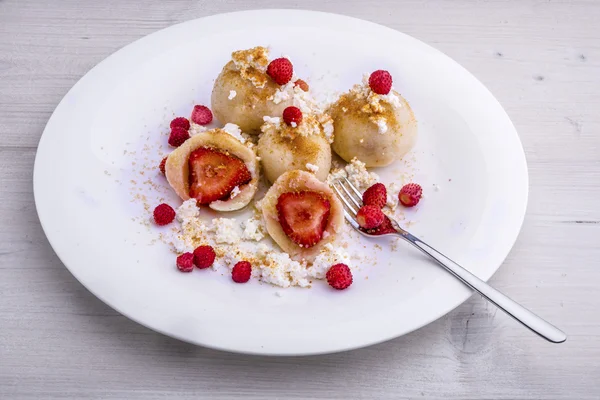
(354, 189)
(351, 220)
(349, 217)
(343, 198)
(350, 196)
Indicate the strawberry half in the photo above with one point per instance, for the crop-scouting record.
(214, 174)
(303, 216)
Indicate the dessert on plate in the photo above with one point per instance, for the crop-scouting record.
(373, 122)
(216, 169)
(249, 87)
(295, 141)
(301, 214)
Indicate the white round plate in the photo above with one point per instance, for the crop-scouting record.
(469, 161)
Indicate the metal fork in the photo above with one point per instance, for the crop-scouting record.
(352, 199)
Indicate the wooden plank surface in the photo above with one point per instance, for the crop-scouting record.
(541, 59)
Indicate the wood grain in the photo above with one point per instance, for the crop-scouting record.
(541, 59)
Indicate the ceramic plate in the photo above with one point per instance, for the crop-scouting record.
(469, 161)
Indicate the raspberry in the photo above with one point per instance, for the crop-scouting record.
(376, 195)
(180, 122)
(370, 217)
(292, 115)
(280, 70)
(164, 214)
(204, 256)
(380, 82)
(302, 84)
(163, 162)
(410, 194)
(202, 115)
(178, 136)
(241, 272)
(185, 262)
(339, 276)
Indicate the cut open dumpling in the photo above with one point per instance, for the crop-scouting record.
(216, 169)
(301, 214)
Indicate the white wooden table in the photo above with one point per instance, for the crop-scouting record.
(540, 59)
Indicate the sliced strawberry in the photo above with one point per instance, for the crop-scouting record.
(303, 216)
(214, 174)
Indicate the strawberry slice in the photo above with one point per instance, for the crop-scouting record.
(303, 216)
(214, 174)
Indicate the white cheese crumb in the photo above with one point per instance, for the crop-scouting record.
(234, 192)
(189, 209)
(283, 93)
(392, 195)
(381, 125)
(312, 168)
(282, 271)
(253, 229)
(226, 230)
(293, 124)
(232, 94)
(357, 174)
(196, 129)
(272, 120)
(328, 256)
(234, 131)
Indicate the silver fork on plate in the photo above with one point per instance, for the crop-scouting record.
(352, 199)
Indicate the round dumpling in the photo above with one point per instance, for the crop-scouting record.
(376, 129)
(216, 169)
(243, 92)
(302, 214)
(284, 148)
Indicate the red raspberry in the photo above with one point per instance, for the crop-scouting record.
(292, 115)
(204, 256)
(180, 122)
(339, 276)
(163, 162)
(280, 70)
(370, 217)
(241, 272)
(410, 194)
(302, 84)
(178, 136)
(376, 195)
(380, 82)
(164, 214)
(185, 262)
(202, 115)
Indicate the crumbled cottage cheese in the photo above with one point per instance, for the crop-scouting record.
(272, 120)
(312, 168)
(252, 64)
(328, 256)
(196, 129)
(253, 229)
(232, 94)
(189, 209)
(226, 230)
(279, 269)
(392, 195)
(357, 174)
(283, 93)
(234, 131)
(381, 124)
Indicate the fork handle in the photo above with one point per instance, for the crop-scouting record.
(512, 308)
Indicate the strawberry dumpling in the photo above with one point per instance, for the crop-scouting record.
(248, 88)
(214, 168)
(373, 122)
(301, 214)
(300, 144)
